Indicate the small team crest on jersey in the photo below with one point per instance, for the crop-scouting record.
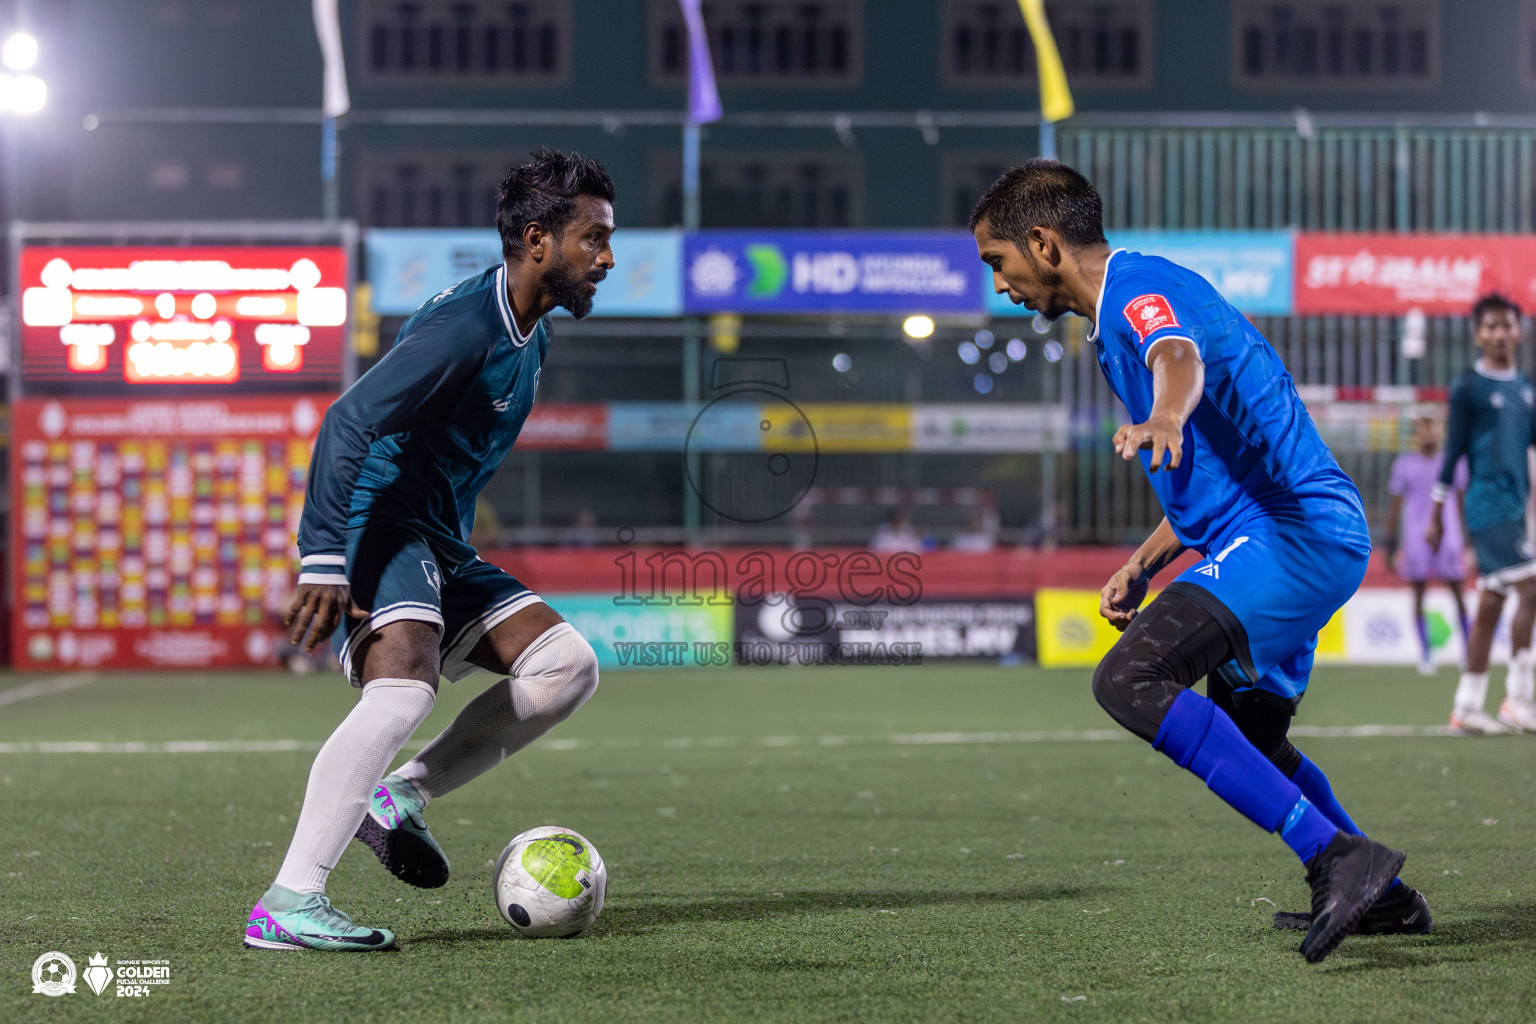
(1148, 313)
(432, 576)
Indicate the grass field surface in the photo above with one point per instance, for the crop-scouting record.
(925, 843)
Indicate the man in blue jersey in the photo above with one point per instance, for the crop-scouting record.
(1245, 480)
(383, 541)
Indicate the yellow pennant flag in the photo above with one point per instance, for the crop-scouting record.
(1055, 96)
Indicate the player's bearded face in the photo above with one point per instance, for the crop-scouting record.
(1046, 296)
(567, 285)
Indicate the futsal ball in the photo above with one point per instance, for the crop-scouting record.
(550, 882)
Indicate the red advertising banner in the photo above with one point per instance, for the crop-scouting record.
(155, 533)
(569, 426)
(99, 317)
(1391, 274)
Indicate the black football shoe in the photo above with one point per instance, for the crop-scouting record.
(1346, 879)
(1398, 911)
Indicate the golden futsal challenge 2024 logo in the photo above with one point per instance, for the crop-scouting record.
(54, 974)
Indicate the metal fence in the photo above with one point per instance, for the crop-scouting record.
(1315, 178)
(1387, 178)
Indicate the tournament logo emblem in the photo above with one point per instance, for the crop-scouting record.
(1148, 313)
(98, 975)
(53, 974)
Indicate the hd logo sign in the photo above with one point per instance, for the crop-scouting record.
(828, 272)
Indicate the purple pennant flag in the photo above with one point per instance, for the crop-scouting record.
(703, 97)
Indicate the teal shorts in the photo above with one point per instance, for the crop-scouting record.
(398, 572)
(1504, 555)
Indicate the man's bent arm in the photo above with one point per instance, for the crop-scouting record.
(1157, 551)
(418, 381)
(1178, 384)
(1178, 380)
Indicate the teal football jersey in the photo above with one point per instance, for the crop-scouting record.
(418, 435)
(1490, 422)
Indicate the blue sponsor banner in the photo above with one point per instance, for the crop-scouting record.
(407, 266)
(831, 272)
(1253, 269)
(674, 426)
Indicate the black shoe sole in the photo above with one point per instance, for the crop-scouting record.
(407, 857)
(1318, 944)
(1300, 921)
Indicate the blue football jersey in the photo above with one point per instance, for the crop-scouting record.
(417, 437)
(1249, 446)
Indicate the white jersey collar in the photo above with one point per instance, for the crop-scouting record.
(1482, 369)
(1098, 305)
(504, 303)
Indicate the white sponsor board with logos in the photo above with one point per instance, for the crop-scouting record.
(1379, 627)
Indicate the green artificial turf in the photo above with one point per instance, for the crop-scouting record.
(781, 846)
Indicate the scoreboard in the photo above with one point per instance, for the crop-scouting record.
(162, 319)
(168, 398)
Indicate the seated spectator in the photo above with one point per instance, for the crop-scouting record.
(897, 534)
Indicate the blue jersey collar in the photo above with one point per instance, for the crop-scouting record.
(504, 303)
(1098, 305)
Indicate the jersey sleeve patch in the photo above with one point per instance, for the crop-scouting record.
(1149, 313)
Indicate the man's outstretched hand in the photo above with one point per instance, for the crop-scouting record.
(1122, 595)
(1159, 434)
(316, 611)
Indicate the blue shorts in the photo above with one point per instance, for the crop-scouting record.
(398, 574)
(1275, 582)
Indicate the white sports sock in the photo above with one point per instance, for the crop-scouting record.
(345, 773)
(550, 680)
(1520, 681)
(1471, 691)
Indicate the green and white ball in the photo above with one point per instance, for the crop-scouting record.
(550, 882)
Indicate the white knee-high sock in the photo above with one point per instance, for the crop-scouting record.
(345, 772)
(1471, 691)
(1521, 678)
(551, 679)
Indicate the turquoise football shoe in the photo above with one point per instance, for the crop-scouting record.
(284, 919)
(397, 834)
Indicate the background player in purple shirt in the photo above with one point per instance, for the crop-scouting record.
(1414, 473)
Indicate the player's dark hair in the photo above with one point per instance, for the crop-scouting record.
(543, 191)
(1042, 193)
(1493, 302)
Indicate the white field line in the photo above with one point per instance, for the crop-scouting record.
(43, 688)
(708, 742)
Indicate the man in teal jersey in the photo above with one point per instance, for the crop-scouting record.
(384, 546)
(1491, 423)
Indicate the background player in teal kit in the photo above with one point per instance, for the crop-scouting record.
(1491, 423)
(398, 463)
(1245, 480)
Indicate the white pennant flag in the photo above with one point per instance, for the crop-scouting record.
(336, 101)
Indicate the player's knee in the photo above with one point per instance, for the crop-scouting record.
(1285, 757)
(1119, 684)
(558, 671)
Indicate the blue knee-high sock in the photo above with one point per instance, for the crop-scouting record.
(1198, 736)
(1314, 786)
(1423, 624)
